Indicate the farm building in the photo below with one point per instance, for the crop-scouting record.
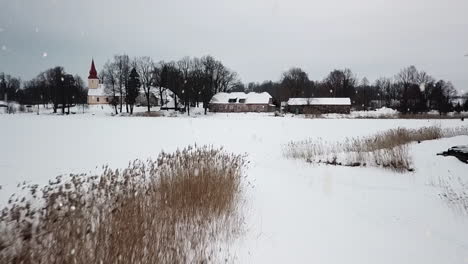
(318, 105)
(242, 102)
(155, 97)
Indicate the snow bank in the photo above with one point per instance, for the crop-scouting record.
(319, 101)
(383, 112)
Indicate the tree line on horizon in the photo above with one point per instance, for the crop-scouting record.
(409, 91)
(195, 80)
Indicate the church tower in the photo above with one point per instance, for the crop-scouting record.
(93, 80)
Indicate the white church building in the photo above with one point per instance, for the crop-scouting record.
(96, 93)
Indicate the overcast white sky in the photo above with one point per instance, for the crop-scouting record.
(257, 38)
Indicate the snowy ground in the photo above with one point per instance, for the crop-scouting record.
(296, 212)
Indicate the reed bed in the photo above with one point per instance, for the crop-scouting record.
(184, 207)
(388, 149)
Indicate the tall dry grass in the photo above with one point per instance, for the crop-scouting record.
(386, 149)
(180, 208)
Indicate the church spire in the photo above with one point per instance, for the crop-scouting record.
(92, 72)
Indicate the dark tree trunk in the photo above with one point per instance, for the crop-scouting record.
(161, 96)
(148, 101)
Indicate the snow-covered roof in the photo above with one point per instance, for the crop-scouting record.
(319, 101)
(462, 149)
(171, 104)
(98, 91)
(166, 93)
(250, 98)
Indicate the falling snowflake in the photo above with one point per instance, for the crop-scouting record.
(3, 47)
(1, 29)
(331, 91)
(44, 54)
(37, 30)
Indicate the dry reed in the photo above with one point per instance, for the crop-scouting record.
(181, 208)
(386, 149)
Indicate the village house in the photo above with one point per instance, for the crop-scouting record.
(155, 96)
(318, 105)
(242, 102)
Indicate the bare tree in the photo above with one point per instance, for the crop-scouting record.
(209, 72)
(410, 82)
(157, 81)
(227, 79)
(185, 67)
(171, 78)
(122, 67)
(54, 79)
(294, 82)
(387, 90)
(198, 79)
(145, 68)
(109, 76)
(341, 83)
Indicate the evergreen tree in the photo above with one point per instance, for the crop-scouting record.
(133, 89)
(465, 105)
(458, 108)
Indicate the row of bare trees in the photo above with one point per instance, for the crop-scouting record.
(54, 86)
(9, 86)
(190, 80)
(410, 90)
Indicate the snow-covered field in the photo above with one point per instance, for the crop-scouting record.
(296, 212)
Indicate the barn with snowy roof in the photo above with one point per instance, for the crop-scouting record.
(242, 102)
(319, 105)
